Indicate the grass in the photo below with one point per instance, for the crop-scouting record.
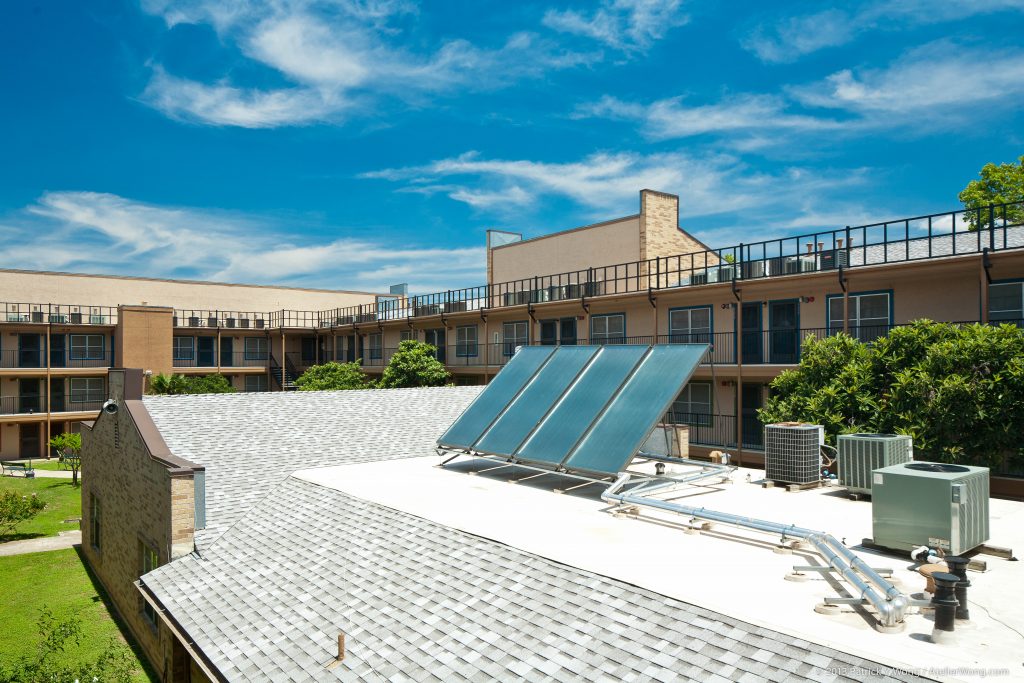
(59, 581)
(47, 465)
(63, 501)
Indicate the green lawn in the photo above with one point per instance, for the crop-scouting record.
(47, 465)
(63, 501)
(59, 581)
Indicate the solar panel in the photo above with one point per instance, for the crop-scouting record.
(636, 408)
(573, 415)
(505, 386)
(528, 408)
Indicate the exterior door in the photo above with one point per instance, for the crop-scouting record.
(28, 440)
(436, 337)
(28, 395)
(28, 351)
(784, 331)
(753, 431)
(350, 348)
(57, 403)
(753, 348)
(58, 351)
(308, 350)
(227, 351)
(205, 352)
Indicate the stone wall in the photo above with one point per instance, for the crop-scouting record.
(145, 499)
(660, 236)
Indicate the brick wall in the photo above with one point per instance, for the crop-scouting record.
(660, 236)
(143, 501)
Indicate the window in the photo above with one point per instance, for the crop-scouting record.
(86, 390)
(608, 329)
(256, 348)
(148, 561)
(95, 521)
(86, 347)
(869, 315)
(257, 383)
(515, 334)
(466, 341)
(376, 342)
(408, 335)
(690, 325)
(1006, 302)
(184, 348)
(693, 405)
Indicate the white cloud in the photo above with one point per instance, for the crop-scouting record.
(788, 38)
(671, 118)
(621, 24)
(113, 234)
(934, 83)
(608, 184)
(336, 55)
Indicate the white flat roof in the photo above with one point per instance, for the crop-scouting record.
(728, 570)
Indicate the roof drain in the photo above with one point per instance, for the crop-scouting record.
(887, 600)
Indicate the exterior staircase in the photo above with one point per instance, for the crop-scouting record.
(290, 374)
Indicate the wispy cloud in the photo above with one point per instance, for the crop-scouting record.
(720, 189)
(105, 233)
(627, 25)
(671, 118)
(786, 39)
(336, 56)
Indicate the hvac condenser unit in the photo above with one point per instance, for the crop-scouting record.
(792, 452)
(859, 454)
(934, 504)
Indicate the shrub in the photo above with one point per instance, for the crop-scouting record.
(15, 509)
(414, 365)
(333, 377)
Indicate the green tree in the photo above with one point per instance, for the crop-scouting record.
(53, 659)
(332, 377)
(15, 509)
(957, 390)
(180, 384)
(69, 450)
(1001, 184)
(414, 365)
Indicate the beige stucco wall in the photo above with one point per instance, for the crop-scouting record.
(608, 243)
(104, 290)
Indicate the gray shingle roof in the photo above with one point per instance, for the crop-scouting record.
(251, 442)
(423, 602)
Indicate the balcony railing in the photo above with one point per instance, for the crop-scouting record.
(32, 405)
(953, 233)
(720, 430)
(235, 359)
(57, 314)
(239, 320)
(36, 359)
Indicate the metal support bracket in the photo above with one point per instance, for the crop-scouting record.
(735, 292)
(653, 299)
(483, 315)
(529, 310)
(986, 263)
(842, 277)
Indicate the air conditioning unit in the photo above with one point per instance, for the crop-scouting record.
(859, 454)
(243, 322)
(833, 258)
(792, 452)
(211, 321)
(516, 298)
(934, 504)
(754, 269)
(703, 277)
(799, 264)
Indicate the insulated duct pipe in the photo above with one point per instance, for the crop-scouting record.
(890, 603)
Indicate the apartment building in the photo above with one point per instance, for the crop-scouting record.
(55, 353)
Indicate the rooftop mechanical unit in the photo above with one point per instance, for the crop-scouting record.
(934, 504)
(792, 452)
(859, 454)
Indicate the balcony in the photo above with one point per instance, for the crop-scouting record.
(28, 359)
(235, 359)
(33, 405)
(57, 314)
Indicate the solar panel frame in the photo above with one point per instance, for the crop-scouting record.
(477, 418)
(532, 405)
(612, 439)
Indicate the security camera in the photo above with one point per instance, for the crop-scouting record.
(110, 407)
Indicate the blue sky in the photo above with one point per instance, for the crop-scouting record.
(354, 144)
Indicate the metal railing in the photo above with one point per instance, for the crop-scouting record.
(239, 320)
(952, 233)
(57, 314)
(234, 359)
(36, 359)
(720, 430)
(33, 405)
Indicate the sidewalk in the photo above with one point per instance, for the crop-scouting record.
(65, 539)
